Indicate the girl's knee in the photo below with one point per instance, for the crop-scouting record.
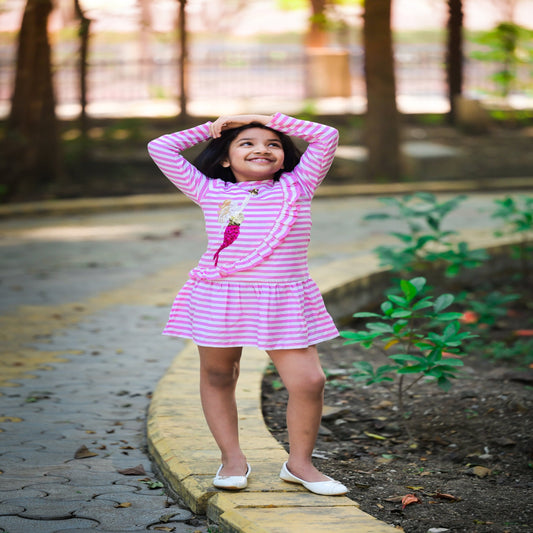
(310, 382)
(219, 376)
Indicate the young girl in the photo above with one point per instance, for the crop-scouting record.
(252, 285)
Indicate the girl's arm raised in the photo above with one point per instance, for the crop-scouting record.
(228, 122)
(166, 153)
(317, 159)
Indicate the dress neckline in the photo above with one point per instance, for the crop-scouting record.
(254, 184)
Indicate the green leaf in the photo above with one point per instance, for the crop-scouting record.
(364, 367)
(377, 216)
(422, 304)
(450, 362)
(451, 329)
(408, 289)
(402, 357)
(419, 283)
(449, 316)
(442, 302)
(401, 313)
(412, 369)
(385, 369)
(364, 314)
(398, 300)
(380, 326)
(404, 237)
(387, 308)
(444, 383)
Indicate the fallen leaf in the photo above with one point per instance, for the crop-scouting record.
(83, 453)
(124, 505)
(164, 528)
(481, 471)
(133, 471)
(408, 499)
(166, 517)
(10, 419)
(414, 488)
(331, 413)
(444, 496)
(152, 484)
(375, 436)
(384, 460)
(384, 404)
(523, 332)
(391, 343)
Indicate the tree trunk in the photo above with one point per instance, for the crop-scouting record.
(454, 55)
(83, 32)
(317, 36)
(183, 59)
(382, 129)
(32, 148)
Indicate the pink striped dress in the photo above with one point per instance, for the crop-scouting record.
(260, 293)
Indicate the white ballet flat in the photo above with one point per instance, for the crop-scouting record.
(231, 482)
(324, 488)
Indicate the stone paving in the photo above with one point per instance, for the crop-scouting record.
(82, 301)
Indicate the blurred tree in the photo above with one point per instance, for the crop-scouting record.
(145, 33)
(31, 151)
(83, 33)
(382, 129)
(183, 57)
(454, 54)
(317, 36)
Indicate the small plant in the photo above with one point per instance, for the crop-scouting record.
(426, 339)
(426, 241)
(517, 218)
(519, 351)
(491, 308)
(507, 45)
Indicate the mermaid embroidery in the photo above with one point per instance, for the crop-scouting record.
(233, 217)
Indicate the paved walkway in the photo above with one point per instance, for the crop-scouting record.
(82, 300)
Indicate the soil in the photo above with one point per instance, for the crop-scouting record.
(469, 461)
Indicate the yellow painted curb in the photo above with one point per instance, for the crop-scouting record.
(187, 456)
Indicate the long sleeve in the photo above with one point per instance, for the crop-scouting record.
(317, 159)
(166, 153)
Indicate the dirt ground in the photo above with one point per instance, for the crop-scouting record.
(469, 463)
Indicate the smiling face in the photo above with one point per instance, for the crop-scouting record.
(255, 154)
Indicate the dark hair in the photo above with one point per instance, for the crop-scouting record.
(209, 160)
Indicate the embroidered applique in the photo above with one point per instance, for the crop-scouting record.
(231, 215)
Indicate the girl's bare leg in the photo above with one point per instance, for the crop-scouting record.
(219, 370)
(302, 375)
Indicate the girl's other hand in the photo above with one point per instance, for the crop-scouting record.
(227, 122)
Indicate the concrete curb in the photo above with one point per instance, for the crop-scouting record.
(186, 454)
(81, 206)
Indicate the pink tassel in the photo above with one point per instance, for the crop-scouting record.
(230, 234)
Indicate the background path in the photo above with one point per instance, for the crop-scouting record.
(83, 300)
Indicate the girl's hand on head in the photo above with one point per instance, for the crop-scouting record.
(227, 122)
(220, 124)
